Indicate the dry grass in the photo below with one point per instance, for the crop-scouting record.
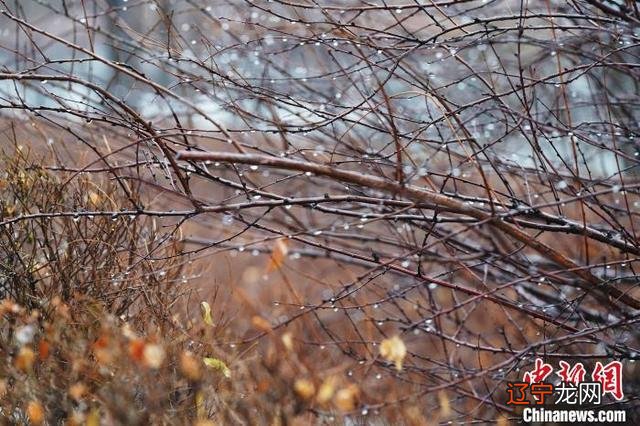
(97, 326)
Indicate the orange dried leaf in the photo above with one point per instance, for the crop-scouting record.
(278, 254)
(102, 342)
(136, 349)
(347, 399)
(77, 391)
(190, 366)
(261, 323)
(61, 308)
(263, 386)
(25, 359)
(9, 307)
(35, 412)
(43, 349)
(76, 419)
(103, 356)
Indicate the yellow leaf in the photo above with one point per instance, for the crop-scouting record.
(445, 405)
(278, 254)
(394, 350)
(218, 365)
(93, 419)
(94, 198)
(200, 404)
(327, 389)
(287, 340)
(304, 388)
(206, 313)
(346, 399)
(502, 420)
